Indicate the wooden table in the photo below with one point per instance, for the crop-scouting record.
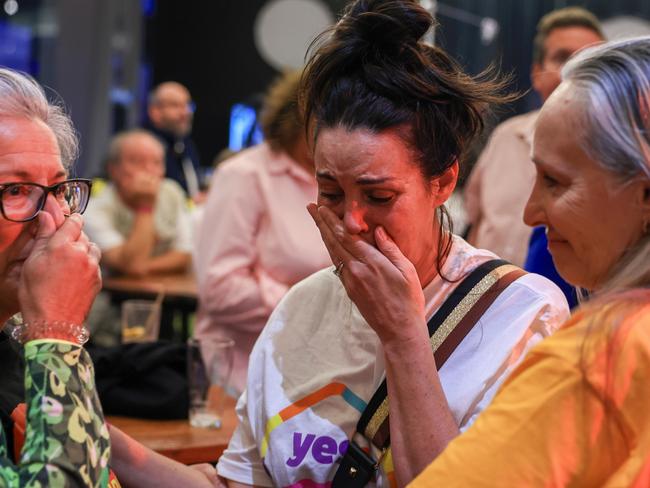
(182, 285)
(181, 294)
(178, 440)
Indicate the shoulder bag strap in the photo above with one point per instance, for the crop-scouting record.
(447, 328)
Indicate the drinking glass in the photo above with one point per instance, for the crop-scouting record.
(209, 364)
(140, 320)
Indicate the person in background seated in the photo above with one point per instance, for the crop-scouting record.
(140, 220)
(170, 111)
(256, 240)
(497, 188)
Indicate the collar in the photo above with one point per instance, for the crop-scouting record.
(526, 129)
(279, 163)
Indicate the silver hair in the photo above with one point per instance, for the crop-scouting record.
(22, 96)
(612, 81)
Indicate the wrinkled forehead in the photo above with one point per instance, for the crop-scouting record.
(560, 129)
(28, 150)
(22, 134)
(563, 105)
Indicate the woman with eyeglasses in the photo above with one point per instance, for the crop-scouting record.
(49, 277)
(49, 274)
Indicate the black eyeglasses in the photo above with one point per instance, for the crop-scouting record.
(21, 202)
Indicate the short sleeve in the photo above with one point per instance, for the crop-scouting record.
(98, 221)
(241, 461)
(530, 309)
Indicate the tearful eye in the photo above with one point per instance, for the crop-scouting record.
(331, 196)
(380, 197)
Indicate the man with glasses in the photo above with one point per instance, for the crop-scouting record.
(140, 220)
(498, 188)
(170, 113)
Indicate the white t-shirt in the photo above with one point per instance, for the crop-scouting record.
(317, 363)
(108, 221)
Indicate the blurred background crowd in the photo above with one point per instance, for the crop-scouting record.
(104, 57)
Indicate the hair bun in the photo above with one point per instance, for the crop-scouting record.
(385, 24)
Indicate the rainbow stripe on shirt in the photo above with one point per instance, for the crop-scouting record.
(332, 389)
(299, 406)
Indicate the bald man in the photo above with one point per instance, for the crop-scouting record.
(170, 113)
(140, 220)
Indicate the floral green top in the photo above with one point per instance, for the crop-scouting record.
(66, 438)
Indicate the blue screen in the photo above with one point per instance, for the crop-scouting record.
(244, 127)
(15, 47)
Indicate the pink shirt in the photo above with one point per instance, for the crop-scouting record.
(255, 241)
(498, 189)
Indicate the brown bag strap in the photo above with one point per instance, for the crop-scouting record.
(448, 327)
(504, 275)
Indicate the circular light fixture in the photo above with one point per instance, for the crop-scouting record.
(11, 7)
(624, 27)
(285, 28)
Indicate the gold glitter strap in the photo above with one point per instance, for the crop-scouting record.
(466, 304)
(460, 312)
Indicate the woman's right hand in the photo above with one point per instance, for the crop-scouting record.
(60, 278)
(382, 282)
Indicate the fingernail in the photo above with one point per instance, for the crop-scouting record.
(381, 233)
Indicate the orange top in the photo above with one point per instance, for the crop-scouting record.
(574, 413)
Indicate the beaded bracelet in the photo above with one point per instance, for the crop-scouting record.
(57, 329)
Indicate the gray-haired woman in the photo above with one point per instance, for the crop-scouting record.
(574, 413)
(49, 272)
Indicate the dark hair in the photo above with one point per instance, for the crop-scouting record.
(373, 71)
(281, 119)
(557, 19)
